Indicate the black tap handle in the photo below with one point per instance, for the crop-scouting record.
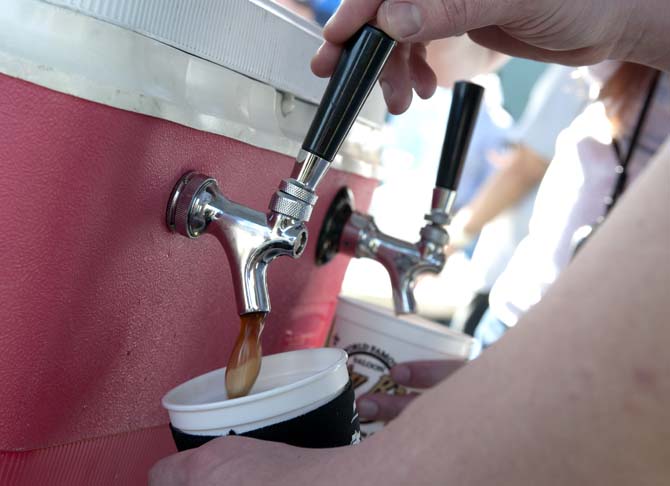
(356, 73)
(462, 118)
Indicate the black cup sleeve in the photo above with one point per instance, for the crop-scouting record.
(331, 425)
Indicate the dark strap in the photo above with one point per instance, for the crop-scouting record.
(624, 162)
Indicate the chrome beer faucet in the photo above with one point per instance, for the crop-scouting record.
(251, 238)
(356, 234)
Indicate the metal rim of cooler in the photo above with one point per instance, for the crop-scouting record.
(135, 62)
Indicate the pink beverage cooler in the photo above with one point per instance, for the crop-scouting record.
(104, 105)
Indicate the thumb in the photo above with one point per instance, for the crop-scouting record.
(425, 20)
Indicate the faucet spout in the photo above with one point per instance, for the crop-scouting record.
(250, 238)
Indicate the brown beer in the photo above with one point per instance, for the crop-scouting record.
(245, 360)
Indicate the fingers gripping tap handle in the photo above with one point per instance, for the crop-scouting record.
(362, 60)
(462, 118)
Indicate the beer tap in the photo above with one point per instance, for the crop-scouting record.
(357, 235)
(251, 238)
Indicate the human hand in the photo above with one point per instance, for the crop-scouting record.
(406, 68)
(241, 461)
(575, 32)
(413, 374)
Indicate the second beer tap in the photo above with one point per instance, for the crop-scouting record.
(356, 234)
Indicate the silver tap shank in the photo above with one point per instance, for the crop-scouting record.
(309, 169)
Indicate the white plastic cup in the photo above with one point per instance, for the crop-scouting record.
(376, 339)
(302, 398)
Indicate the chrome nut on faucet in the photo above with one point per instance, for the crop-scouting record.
(293, 200)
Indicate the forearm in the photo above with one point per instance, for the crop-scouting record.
(504, 189)
(578, 392)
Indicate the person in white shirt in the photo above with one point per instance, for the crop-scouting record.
(500, 211)
(575, 190)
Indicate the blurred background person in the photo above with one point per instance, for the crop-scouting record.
(497, 216)
(597, 157)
